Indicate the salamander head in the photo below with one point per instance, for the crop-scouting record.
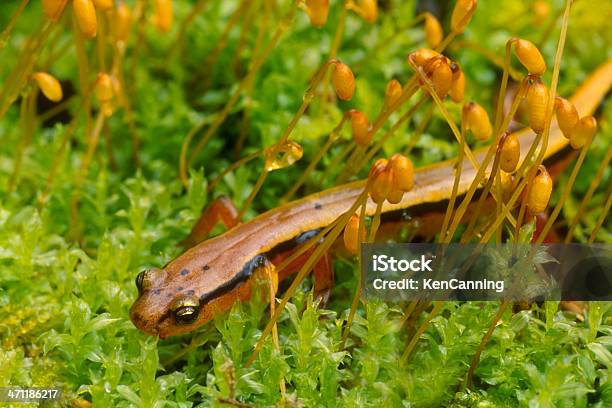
(190, 291)
(164, 308)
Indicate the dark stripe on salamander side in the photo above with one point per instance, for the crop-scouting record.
(247, 271)
(236, 280)
(295, 241)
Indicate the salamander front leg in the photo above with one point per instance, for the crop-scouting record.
(267, 275)
(323, 278)
(220, 209)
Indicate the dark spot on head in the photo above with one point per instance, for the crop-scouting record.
(190, 292)
(206, 267)
(318, 206)
(156, 291)
(184, 272)
(137, 317)
(180, 288)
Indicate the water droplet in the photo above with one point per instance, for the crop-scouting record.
(285, 155)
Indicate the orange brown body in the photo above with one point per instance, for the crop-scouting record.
(215, 273)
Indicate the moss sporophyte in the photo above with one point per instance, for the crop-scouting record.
(287, 135)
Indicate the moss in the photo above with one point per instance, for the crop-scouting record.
(66, 288)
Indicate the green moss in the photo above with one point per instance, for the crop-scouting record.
(64, 302)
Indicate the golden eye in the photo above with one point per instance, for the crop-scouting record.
(146, 278)
(185, 309)
(139, 280)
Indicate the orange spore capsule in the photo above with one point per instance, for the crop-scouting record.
(530, 57)
(457, 89)
(423, 55)
(583, 132)
(377, 167)
(163, 15)
(541, 11)
(122, 22)
(395, 196)
(476, 119)
(317, 10)
(49, 86)
(381, 178)
(103, 5)
(403, 172)
(104, 87)
(368, 9)
(382, 186)
(441, 77)
(104, 91)
(393, 92)
(343, 81)
(567, 116)
(351, 235)
(510, 153)
(433, 31)
(53, 9)
(85, 14)
(540, 191)
(360, 126)
(462, 14)
(536, 99)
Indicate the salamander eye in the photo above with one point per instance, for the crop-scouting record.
(146, 278)
(139, 279)
(186, 309)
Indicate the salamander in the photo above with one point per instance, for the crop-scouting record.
(209, 277)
